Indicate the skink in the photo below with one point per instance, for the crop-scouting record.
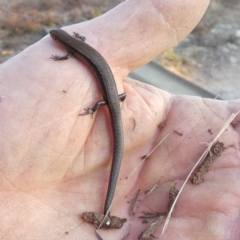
(85, 53)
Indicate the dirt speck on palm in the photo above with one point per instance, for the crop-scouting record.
(215, 151)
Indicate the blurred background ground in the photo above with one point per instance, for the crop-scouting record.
(208, 57)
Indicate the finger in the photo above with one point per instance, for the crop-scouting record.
(139, 30)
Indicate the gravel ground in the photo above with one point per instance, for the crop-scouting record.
(210, 55)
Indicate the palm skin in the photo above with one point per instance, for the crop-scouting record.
(55, 164)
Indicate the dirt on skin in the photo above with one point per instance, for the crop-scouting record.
(148, 233)
(99, 220)
(215, 151)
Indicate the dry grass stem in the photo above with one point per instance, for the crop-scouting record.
(195, 166)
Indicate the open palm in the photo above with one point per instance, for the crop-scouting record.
(55, 164)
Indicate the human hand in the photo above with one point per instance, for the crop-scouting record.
(55, 165)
